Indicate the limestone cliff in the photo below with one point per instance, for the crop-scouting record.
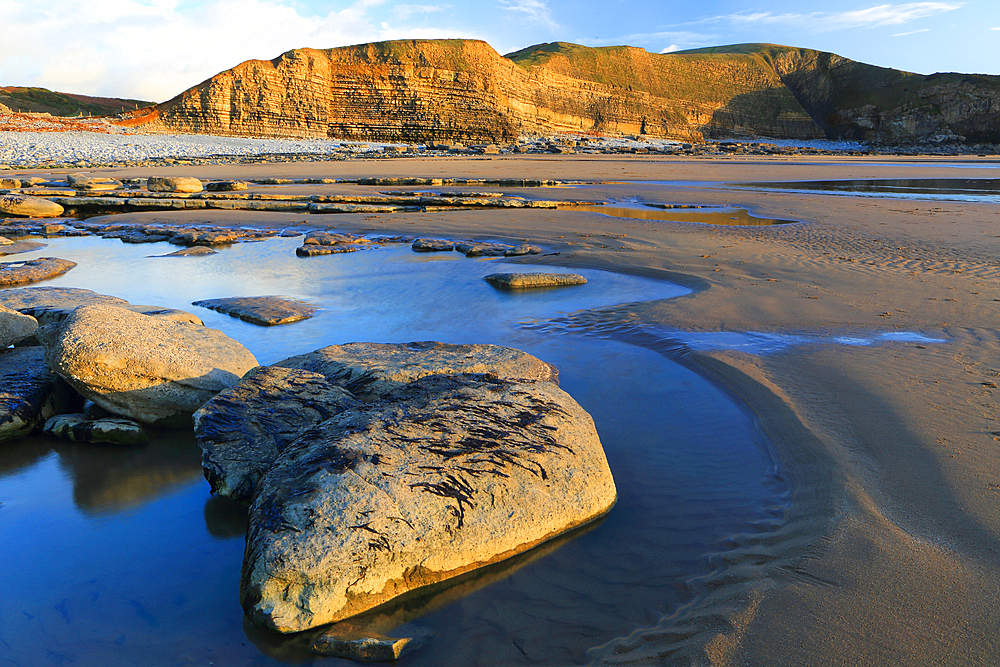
(463, 90)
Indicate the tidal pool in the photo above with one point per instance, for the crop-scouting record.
(119, 556)
(945, 189)
(705, 215)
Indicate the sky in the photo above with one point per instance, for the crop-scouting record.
(155, 49)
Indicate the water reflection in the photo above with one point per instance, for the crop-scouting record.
(953, 189)
(111, 478)
(226, 519)
(706, 215)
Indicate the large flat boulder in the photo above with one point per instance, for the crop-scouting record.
(173, 184)
(439, 477)
(33, 271)
(242, 430)
(369, 370)
(14, 326)
(149, 369)
(517, 281)
(30, 393)
(54, 304)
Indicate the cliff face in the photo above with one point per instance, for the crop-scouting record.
(463, 90)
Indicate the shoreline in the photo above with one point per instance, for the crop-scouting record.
(907, 544)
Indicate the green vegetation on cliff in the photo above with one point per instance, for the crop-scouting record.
(42, 100)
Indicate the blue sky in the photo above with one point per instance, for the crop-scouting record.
(155, 49)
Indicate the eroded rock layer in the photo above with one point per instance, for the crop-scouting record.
(463, 90)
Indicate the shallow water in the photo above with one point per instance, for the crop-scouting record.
(705, 215)
(945, 189)
(120, 556)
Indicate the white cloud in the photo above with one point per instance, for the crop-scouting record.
(996, 28)
(671, 49)
(403, 12)
(535, 11)
(869, 17)
(155, 49)
(912, 32)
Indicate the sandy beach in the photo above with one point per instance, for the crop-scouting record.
(890, 550)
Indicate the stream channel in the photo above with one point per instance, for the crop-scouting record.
(120, 556)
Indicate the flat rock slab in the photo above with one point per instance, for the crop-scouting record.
(441, 476)
(149, 369)
(226, 186)
(432, 245)
(26, 206)
(194, 251)
(242, 430)
(531, 280)
(92, 183)
(15, 326)
(33, 271)
(165, 313)
(77, 427)
(17, 247)
(313, 250)
(264, 310)
(369, 370)
(30, 393)
(174, 184)
(483, 249)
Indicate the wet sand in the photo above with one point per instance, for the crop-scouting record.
(889, 553)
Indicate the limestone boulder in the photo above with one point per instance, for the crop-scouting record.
(150, 369)
(92, 183)
(10, 183)
(173, 184)
(27, 206)
(54, 304)
(432, 245)
(441, 476)
(242, 430)
(30, 393)
(369, 370)
(14, 326)
(226, 186)
(78, 427)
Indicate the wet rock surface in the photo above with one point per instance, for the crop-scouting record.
(532, 280)
(242, 430)
(173, 184)
(18, 247)
(29, 392)
(33, 271)
(55, 304)
(441, 476)
(194, 251)
(150, 369)
(77, 427)
(263, 310)
(432, 245)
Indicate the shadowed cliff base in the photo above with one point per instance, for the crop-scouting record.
(463, 90)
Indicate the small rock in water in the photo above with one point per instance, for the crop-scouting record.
(173, 184)
(150, 369)
(226, 186)
(33, 271)
(80, 428)
(265, 310)
(312, 249)
(14, 326)
(92, 184)
(26, 206)
(193, 251)
(483, 249)
(29, 392)
(432, 245)
(523, 249)
(356, 644)
(530, 280)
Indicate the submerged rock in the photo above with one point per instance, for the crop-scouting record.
(80, 428)
(364, 646)
(150, 369)
(26, 206)
(30, 393)
(193, 251)
(18, 247)
(33, 271)
(14, 326)
(265, 310)
(313, 249)
(441, 476)
(529, 280)
(243, 429)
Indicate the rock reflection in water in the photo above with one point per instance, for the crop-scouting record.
(706, 215)
(111, 478)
